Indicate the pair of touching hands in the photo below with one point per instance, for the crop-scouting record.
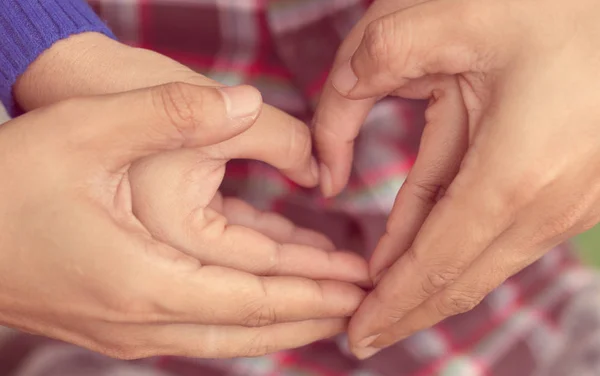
(121, 245)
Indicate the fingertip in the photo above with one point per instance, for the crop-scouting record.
(308, 176)
(363, 353)
(326, 181)
(342, 298)
(344, 79)
(241, 101)
(355, 268)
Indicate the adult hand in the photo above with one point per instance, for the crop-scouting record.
(91, 63)
(508, 165)
(76, 264)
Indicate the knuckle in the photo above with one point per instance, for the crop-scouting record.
(181, 105)
(207, 225)
(439, 275)
(425, 191)
(439, 278)
(378, 41)
(456, 302)
(257, 314)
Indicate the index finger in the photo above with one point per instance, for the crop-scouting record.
(338, 120)
(460, 227)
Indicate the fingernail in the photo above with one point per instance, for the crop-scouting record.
(366, 342)
(344, 79)
(363, 353)
(363, 349)
(314, 168)
(241, 101)
(325, 179)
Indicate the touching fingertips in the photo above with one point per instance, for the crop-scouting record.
(241, 101)
(344, 79)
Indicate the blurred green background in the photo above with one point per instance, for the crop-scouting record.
(589, 243)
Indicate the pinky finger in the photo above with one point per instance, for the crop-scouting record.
(210, 341)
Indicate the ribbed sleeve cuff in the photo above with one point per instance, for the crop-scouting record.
(29, 27)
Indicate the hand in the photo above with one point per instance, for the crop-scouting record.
(508, 165)
(76, 264)
(90, 63)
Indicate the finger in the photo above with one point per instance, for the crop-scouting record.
(273, 225)
(461, 225)
(337, 119)
(278, 139)
(514, 250)
(121, 128)
(223, 296)
(213, 342)
(336, 126)
(171, 198)
(443, 144)
(436, 37)
(523, 243)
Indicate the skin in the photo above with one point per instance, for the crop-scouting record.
(124, 245)
(509, 161)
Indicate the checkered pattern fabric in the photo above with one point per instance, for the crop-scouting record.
(285, 48)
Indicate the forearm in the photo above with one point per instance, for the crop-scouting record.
(30, 27)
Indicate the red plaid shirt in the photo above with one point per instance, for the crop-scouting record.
(285, 48)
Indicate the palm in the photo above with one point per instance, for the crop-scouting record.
(175, 196)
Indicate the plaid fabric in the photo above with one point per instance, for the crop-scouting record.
(285, 48)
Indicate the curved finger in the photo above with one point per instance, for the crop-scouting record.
(338, 120)
(171, 197)
(443, 144)
(273, 225)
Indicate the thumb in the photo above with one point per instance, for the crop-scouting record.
(436, 37)
(128, 126)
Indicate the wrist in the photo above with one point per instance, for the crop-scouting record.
(64, 70)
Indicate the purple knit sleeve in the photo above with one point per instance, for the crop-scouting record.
(29, 27)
